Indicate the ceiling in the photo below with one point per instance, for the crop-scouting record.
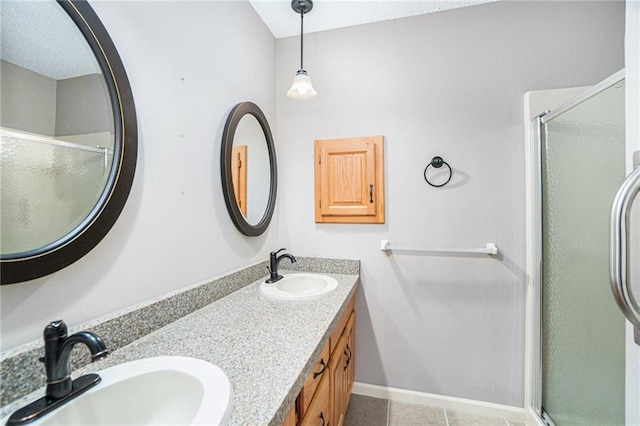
(331, 14)
(39, 42)
(40, 37)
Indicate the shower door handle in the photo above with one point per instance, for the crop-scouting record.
(619, 248)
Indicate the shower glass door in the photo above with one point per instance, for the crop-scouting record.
(582, 336)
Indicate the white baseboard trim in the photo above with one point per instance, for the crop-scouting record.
(533, 419)
(480, 408)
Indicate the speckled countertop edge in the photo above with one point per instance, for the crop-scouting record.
(266, 347)
(21, 373)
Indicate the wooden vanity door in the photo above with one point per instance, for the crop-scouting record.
(338, 361)
(349, 361)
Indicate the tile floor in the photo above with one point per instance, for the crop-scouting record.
(367, 411)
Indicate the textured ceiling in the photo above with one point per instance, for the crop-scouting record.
(40, 36)
(37, 35)
(330, 14)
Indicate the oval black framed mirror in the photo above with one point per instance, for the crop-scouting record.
(69, 144)
(249, 169)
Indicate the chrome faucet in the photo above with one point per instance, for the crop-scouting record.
(274, 260)
(57, 361)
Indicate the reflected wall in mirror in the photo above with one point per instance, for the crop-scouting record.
(68, 132)
(248, 166)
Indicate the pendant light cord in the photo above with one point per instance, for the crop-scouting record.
(301, 39)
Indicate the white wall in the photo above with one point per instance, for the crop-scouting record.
(448, 84)
(189, 64)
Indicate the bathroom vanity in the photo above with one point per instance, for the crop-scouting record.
(325, 394)
(269, 349)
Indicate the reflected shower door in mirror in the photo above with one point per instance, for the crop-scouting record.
(65, 114)
(57, 126)
(248, 168)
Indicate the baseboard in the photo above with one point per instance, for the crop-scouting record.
(480, 408)
(533, 419)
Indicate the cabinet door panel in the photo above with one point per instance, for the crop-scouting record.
(337, 382)
(319, 411)
(290, 420)
(349, 365)
(349, 169)
(320, 369)
(337, 332)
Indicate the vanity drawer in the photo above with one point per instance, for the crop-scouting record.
(337, 332)
(319, 411)
(320, 370)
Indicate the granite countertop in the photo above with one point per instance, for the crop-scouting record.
(266, 347)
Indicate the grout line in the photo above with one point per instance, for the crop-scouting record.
(388, 412)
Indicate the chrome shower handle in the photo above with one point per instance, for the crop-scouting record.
(619, 248)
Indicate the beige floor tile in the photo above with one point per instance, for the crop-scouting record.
(460, 418)
(366, 411)
(403, 414)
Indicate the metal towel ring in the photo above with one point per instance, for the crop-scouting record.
(437, 162)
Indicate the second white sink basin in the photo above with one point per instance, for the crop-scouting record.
(151, 391)
(301, 286)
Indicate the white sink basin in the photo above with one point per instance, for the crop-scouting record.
(302, 286)
(152, 391)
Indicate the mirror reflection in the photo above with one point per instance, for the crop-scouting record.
(56, 127)
(251, 169)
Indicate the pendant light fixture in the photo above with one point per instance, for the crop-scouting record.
(301, 87)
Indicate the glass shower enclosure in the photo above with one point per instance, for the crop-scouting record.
(582, 332)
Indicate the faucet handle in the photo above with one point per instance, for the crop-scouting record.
(55, 330)
(282, 249)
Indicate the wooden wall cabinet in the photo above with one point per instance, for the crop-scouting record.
(349, 180)
(325, 395)
(239, 176)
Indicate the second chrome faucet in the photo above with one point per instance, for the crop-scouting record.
(274, 260)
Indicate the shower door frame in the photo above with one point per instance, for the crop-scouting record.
(533, 170)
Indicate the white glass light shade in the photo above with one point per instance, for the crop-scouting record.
(301, 87)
